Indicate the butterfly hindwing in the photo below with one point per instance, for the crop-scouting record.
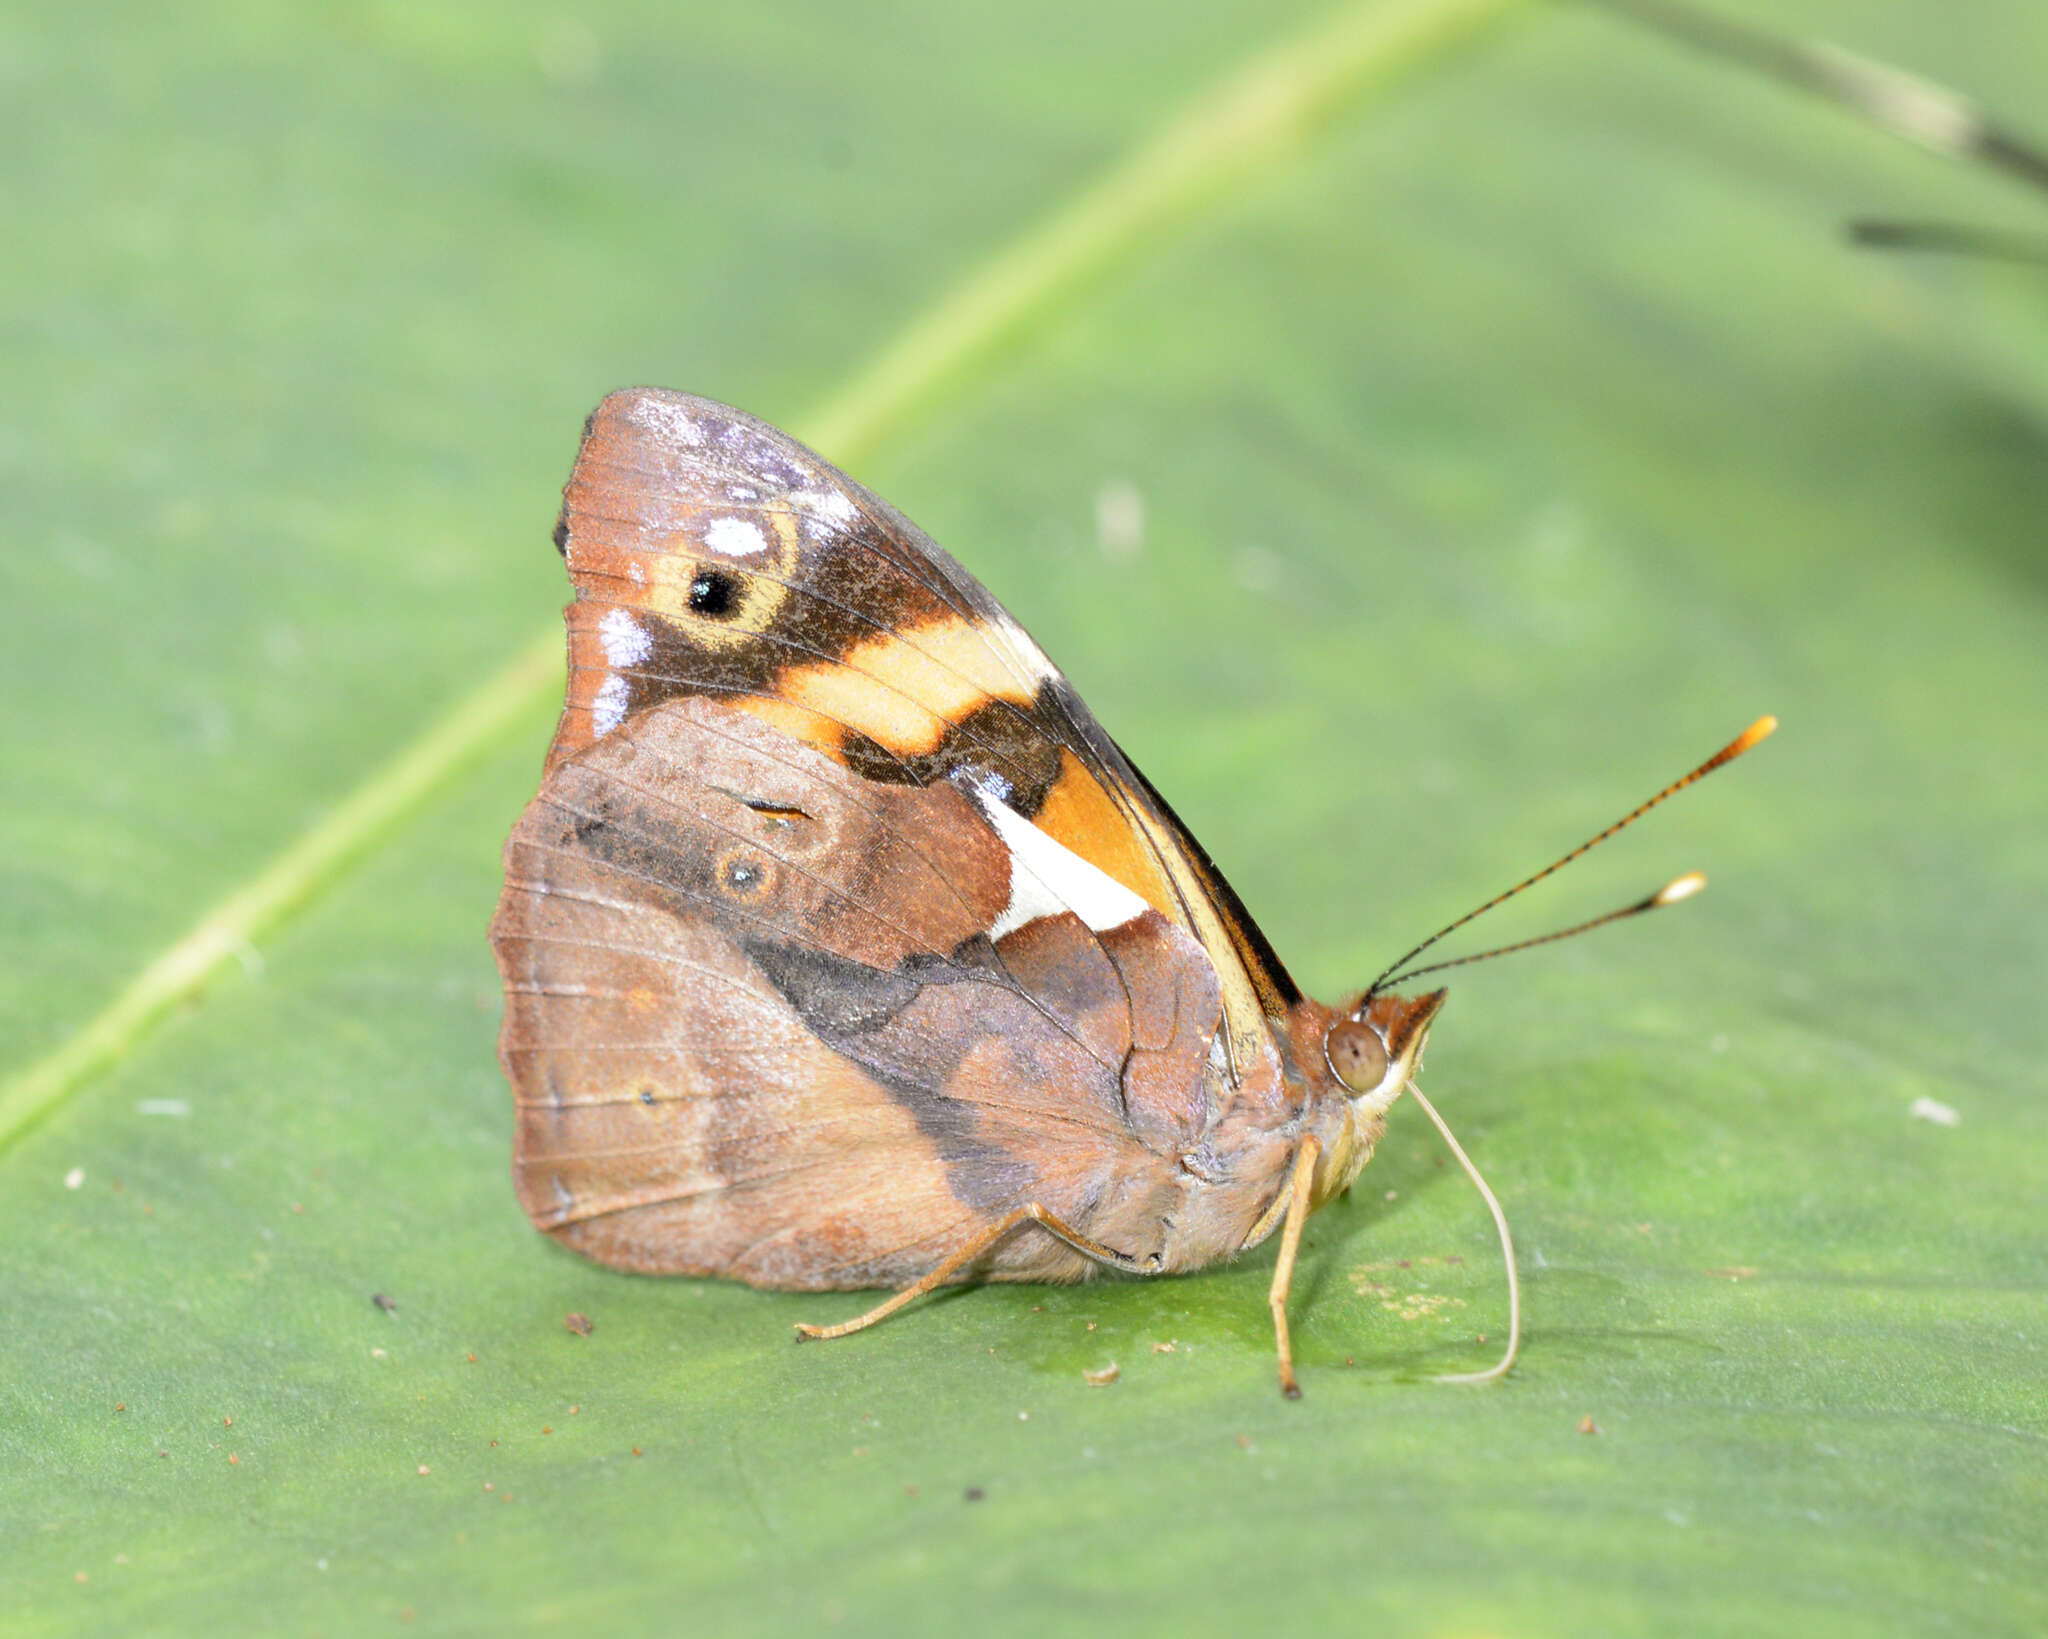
(751, 993)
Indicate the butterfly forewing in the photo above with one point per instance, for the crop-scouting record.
(712, 554)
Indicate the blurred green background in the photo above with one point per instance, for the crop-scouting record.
(1498, 443)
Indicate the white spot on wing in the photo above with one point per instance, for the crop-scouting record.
(1047, 878)
(625, 641)
(827, 503)
(1042, 670)
(988, 783)
(1029, 900)
(669, 420)
(735, 537)
(608, 708)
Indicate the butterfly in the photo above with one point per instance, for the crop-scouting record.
(843, 948)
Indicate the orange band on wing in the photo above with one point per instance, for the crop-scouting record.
(1079, 815)
(905, 690)
(819, 732)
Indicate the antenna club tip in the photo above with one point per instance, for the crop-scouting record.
(1683, 887)
(1762, 729)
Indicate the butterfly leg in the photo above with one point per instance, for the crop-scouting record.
(1034, 1213)
(1283, 1270)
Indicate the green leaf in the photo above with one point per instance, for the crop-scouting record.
(1506, 433)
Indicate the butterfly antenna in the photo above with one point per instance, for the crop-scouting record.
(1671, 893)
(1507, 1250)
(1683, 888)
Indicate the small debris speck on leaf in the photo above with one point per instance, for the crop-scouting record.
(383, 1302)
(1102, 1378)
(577, 1323)
(1588, 1426)
(974, 1493)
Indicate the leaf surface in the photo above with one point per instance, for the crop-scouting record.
(1502, 443)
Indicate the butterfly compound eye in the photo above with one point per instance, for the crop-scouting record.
(1357, 1055)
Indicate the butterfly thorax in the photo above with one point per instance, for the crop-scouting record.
(1266, 1105)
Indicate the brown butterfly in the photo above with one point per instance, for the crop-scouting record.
(842, 948)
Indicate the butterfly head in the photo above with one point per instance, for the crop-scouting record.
(1377, 1046)
(1371, 1048)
